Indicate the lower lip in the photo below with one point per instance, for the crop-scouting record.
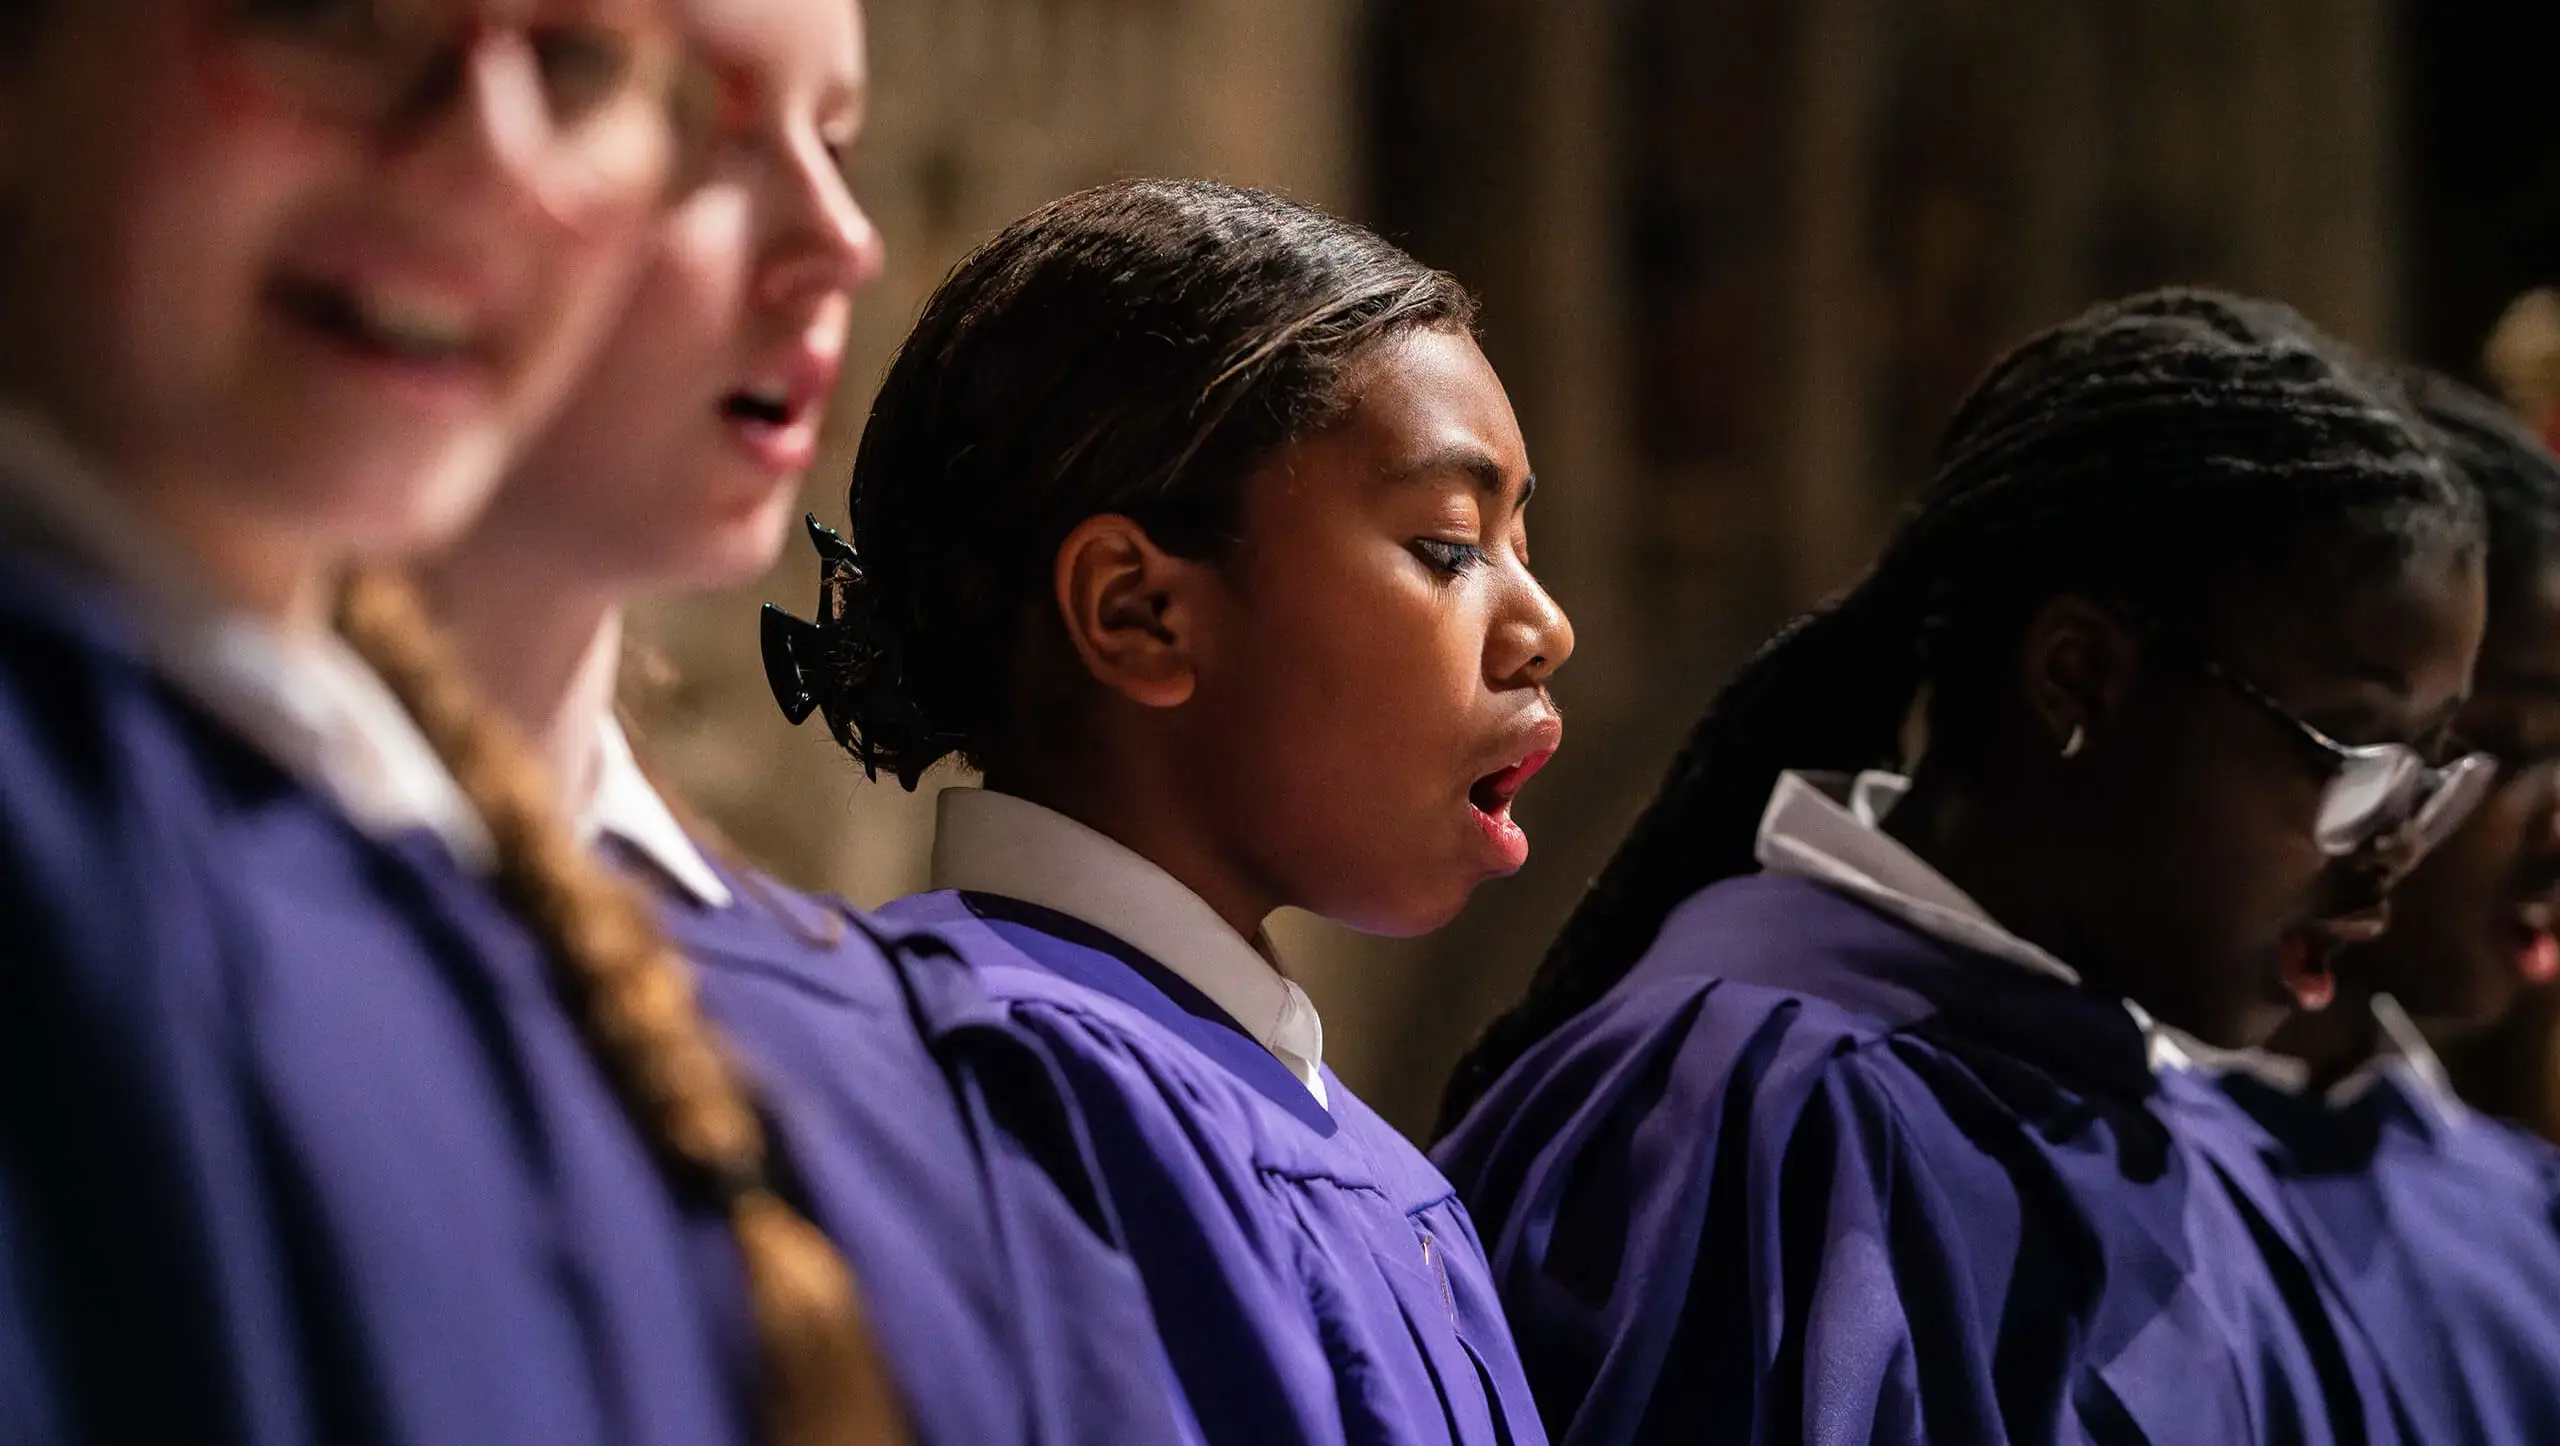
(1504, 836)
(790, 447)
(2537, 955)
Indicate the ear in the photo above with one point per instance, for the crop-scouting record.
(1132, 609)
(2076, 665)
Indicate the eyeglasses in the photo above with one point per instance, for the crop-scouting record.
(604, 94)
(2381, 791)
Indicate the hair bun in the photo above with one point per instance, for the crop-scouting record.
(851, 667)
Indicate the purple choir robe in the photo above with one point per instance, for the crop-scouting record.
(298, 1145)
(1314, 1278)
(935, 1141)
(2440, 1229)
(1808, 1174)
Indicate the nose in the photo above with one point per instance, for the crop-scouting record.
(826, 243)
(1532, 639)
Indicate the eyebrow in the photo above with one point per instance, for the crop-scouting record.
(1475, 464)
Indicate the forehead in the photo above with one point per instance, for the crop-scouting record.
(2403, 617)
(1431, 392)
(812, 42)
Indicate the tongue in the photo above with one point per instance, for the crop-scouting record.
(2539, 962)
(2306, 973)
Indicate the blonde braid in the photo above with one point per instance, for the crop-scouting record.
(825, 1383)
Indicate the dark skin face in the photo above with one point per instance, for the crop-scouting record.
(1333, 715)
(2473, 925)
(2172, 859)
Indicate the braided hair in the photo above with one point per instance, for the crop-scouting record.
(2139, 453)
(1137, 348)
(632, 995)
(2515, 473)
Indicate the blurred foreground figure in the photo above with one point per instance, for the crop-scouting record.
(341, 1099)
(928, 1135)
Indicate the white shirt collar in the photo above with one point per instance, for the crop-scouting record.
(2401, 1053)
(307, 701)
(993, 843)
(627, 806)
(1827, 827)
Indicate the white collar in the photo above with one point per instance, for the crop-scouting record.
(993, 843)
(2401, 1053)
(307, 701)
(627, 806)
(1828, 827)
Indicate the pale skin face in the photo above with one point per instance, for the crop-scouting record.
(678, 461)
(1335, 715)
(287, 337)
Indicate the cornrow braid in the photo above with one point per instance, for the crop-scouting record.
(2140, 454)
(632, 995)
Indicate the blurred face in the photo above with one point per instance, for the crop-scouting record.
(2221, 911)
(1372, 684)
(314, 271)
(2474, 925)
(678, 461)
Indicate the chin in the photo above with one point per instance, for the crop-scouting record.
(395, 506)
(1423, 910)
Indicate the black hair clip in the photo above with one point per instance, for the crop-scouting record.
(794, 650)
(846, 665)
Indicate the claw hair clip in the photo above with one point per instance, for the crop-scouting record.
(846, 665)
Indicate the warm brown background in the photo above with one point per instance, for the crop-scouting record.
(1738, 257)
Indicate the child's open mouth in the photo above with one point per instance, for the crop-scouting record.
(423, 334)
(2537, 953)
(1491, 797)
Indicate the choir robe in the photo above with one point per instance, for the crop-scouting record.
(935, 1141)
(2440, 1228)
(297, 1143)
(1314, 1278)
(1809, 1173)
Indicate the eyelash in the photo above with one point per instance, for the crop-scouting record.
(1449, 559)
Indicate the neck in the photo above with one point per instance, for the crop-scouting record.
(1978, 849)
(1152, 817)
(282, 581)
(2335, 1042)
(547, 655)
(165, 528)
